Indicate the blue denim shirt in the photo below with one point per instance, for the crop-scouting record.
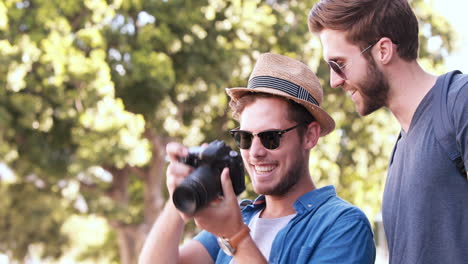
(326, 229)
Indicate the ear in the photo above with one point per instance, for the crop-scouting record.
(385, 50)
(311, 135)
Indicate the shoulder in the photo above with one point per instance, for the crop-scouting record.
(345, 219)
(339, 216)
(457, 97)
(346, 234)
(342, 209)
(458, 89)
(324, 204)
(460, 80)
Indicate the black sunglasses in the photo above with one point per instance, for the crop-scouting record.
(270, 139)
(338, 69)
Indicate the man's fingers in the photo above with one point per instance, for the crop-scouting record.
(179, 169)
(227, 185)
(175, 150)
(173, 182)
(216, 202)
(176, 173)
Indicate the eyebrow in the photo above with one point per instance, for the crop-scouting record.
(335, 58)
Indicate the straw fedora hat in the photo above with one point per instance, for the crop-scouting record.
(289, 78)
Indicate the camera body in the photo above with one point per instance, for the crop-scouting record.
(204, 183)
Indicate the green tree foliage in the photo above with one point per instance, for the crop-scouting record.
(91, 91)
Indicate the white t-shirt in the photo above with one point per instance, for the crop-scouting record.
(263, 231)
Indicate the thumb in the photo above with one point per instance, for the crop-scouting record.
(226, 183)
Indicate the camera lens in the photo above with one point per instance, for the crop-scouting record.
(201, 187)
(185, 199)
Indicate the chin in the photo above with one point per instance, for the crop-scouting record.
(363, 112)
(367, 109)
(264, 190)
(259, 191)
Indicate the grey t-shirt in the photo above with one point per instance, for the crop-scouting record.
(425, 203)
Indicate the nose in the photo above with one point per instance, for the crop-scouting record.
(257, 149)
(335, 80)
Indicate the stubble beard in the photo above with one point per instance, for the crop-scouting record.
(374, 89)
(292, 177)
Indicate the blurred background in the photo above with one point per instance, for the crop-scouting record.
(92, 90)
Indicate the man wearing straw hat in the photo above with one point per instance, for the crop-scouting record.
(291, 221)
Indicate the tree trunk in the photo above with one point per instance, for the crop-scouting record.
(153, 195)
(127, 237)
(132, 237)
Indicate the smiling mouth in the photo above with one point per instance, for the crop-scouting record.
(264, 168)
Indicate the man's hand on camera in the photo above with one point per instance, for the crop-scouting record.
(222, 217)
(176, 171)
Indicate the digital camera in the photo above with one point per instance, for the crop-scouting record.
(204, 183)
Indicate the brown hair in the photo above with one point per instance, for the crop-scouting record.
(366, 21)
(296, 112)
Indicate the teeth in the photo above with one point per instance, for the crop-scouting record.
(264, 168)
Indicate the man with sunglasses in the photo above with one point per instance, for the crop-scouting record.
(291, 221)
(371, 47)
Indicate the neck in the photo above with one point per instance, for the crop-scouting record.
(409, 83)
(279, 206)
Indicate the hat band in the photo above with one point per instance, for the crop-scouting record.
(281, 85)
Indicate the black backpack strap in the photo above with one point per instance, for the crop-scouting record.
(442, 121)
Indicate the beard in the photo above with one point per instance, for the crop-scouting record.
(374, 89)
(291, 178)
